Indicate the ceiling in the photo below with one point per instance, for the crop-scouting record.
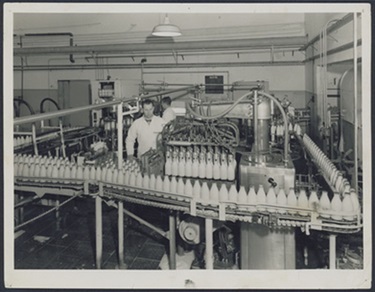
(114, 28)
(89, 23)
(110, 33)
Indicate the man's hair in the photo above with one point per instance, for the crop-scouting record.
(167, 100)
(147, 101)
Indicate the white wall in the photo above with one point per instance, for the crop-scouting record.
(314, 25)
(337, 62)
(280, 78)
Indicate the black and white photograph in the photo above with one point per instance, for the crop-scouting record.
(208, 145)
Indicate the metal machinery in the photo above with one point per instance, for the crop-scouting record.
(225, 165)
(105, 119)
(103, 91)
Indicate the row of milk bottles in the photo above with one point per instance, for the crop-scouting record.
(330, 171)
(346, 207)
(42, 168)
(278, 130)
(22, 140)
(202, 164)
(53, 169)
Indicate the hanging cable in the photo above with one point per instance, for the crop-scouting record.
(222, 114)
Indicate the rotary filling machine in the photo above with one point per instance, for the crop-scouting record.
(250, 188)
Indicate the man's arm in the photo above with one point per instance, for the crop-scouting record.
(130, 139)
(168, 116)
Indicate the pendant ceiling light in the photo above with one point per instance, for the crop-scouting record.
(166, 29)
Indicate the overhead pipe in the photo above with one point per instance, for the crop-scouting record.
(176, 46)
(210, 85)
(159, 65)
(66, 112)
(336, 50)
(186, 88)
(340, 23)
(346, 62)
(241, 51)
(71, 59)
(180, 96)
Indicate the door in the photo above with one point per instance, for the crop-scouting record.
(73, 94)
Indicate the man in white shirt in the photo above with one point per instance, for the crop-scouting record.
(168, 113)
(145, 130)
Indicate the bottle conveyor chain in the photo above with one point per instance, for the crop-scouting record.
(331, 174)
(308, 212)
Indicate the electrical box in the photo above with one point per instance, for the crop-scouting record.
(104, 91)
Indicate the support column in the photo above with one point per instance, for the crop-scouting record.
(33, 131)
(172, 241)
(209, 245)
(121, 260)
(58, 217)
(332, 251)
(62, 138)
(119, 136)
(99, 229)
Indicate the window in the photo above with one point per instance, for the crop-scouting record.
(214, 84)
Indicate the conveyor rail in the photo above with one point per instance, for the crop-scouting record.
(194, 206)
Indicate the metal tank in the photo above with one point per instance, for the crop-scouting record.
(261, 246)
(347, 113)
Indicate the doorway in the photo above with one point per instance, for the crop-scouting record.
(73, 94)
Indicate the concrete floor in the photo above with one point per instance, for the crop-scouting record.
(70, 242)
(72, 246)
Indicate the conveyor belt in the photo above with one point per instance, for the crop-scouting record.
(221, 210)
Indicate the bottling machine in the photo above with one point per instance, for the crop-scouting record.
(224, 163)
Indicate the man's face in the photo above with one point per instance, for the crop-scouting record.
(164, 105)
(148, 111)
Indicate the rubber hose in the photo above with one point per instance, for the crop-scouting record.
(25, 103)
(48, 99)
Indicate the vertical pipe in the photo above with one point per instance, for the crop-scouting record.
(332, 251)
(62, 138)
(255, 117)
(120, 225)
(209, 245)
(98, 229)
(172, 241)
(355, 102)
(58, 219)
(286, 135)
(33, 131)
(119, 136)
(324, 74)
(22, 71)
(21, 212)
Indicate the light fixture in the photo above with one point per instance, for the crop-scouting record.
(166, 29)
